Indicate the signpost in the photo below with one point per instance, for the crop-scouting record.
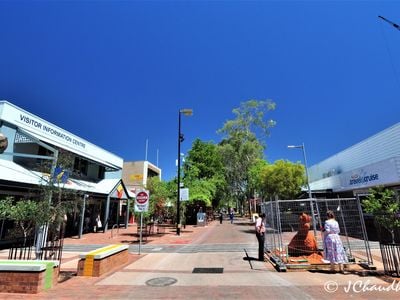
(141, 205)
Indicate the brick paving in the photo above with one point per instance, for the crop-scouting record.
(239, 281)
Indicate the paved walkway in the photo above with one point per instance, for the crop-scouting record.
(161, 274)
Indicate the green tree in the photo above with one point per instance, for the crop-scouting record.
(243, 145)
(26, 214)
(48, 205)
(384, 204)
(255, 179)
(283, 179)
(159, 195)
(203, 161)
(203, 173)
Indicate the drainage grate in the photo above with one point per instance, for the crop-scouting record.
(161, 281)
(208, 270)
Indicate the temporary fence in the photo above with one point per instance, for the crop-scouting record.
(294, 236)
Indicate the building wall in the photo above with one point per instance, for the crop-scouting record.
(374, 161)
(56, 136)
(24, 129)
(135, 173)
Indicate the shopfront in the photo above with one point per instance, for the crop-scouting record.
(33, 157)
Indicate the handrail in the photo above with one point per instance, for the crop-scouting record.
(112, 230)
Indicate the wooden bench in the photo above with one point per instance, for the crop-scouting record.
(28, 276)
(97, 262)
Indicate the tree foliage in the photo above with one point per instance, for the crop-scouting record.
(243, 145)
(48, 205)
(250, 119)
(283, 179)
(159, 194)
(26, 214)
(203, 172)
(384, 204)
(255, 178)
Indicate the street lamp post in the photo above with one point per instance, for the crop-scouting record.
(308, 183)
(305, 165)
(186, 112)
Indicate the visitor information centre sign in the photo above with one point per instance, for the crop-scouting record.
(142, 201)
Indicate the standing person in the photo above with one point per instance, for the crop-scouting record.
(260, 234)
(221, 216)
(231, 215)
(333, 247)
(98, 223)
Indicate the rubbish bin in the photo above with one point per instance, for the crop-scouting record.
(201, 219)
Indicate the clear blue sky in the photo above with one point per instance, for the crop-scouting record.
(117, 72)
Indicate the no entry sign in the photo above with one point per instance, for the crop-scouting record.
(142, 197)
(142, 201)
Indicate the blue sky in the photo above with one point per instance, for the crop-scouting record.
(117, 72)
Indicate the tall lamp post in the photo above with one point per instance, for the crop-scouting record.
(186, 112)
(308, 183)
(305, 165)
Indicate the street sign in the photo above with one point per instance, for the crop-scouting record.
(142, 201)
(184, 194)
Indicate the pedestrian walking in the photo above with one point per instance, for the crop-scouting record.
(231, 215)
(260, 233)
(221, 216)
(333, 247)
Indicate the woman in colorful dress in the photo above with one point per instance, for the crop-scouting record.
(333, 247)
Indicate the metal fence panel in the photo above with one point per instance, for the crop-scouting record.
(294, 232)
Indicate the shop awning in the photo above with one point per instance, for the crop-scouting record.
(10, 171)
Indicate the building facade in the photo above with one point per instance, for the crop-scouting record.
(136, 173)
(32, 158)
(372, 162)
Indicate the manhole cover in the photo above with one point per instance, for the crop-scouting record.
(161, 281)
(208, 270)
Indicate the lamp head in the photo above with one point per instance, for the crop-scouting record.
(186, 111)
(294, 146)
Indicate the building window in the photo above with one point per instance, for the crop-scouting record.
(80, 166)
(102, 171)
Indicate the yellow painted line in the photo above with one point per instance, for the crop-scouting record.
(89, 259)
(98, 251)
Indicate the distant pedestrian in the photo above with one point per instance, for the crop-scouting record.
(260, 234)
(98, 224)
(221, 216)
(86, 225)
(231, 215)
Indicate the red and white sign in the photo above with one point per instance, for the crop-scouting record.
(142, 201)
(142, 197)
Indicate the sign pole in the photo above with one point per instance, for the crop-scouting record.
(142, 205)
(140, 234)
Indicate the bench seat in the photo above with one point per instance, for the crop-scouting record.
(99, 261)
(28, 276)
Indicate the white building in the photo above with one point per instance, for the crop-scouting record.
(369, 163)
(32, 141)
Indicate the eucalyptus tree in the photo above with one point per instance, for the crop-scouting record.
(243, 145)
(255, 183)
